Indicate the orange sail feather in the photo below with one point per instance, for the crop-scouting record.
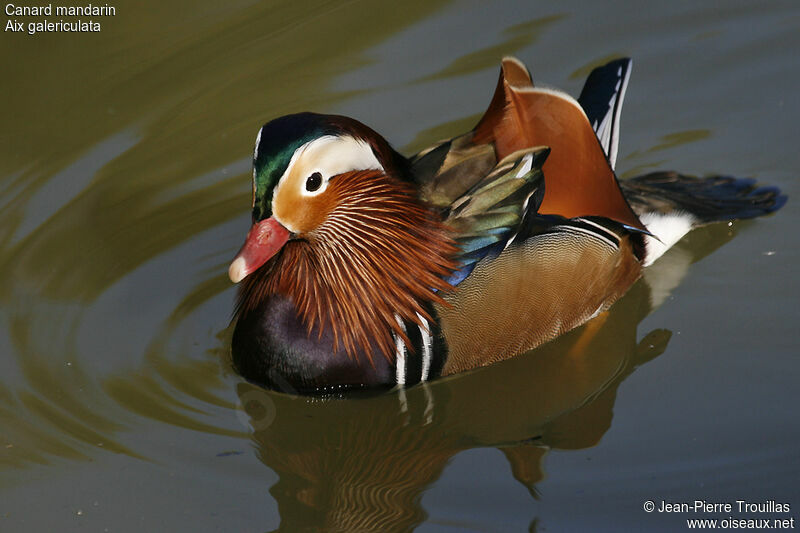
(579, 180)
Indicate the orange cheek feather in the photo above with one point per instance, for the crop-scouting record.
(300, 214)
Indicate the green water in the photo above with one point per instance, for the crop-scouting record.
(124, 193)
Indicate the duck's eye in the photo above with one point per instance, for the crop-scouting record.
(314, 182)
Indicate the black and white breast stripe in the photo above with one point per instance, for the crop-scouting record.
(594, 228)
(424, 358)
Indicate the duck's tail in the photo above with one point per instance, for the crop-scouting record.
(671, 204)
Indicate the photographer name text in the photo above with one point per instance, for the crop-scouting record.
(705, 506)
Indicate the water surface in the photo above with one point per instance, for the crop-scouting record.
(124, 192)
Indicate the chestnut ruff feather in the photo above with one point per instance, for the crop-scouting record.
(380, 253)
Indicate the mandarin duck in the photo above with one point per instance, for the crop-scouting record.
(366, 269)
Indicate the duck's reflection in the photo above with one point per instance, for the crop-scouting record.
(363, 464)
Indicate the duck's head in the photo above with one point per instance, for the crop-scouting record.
(297, 162)
(340, 230)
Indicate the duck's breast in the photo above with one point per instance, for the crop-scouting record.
(271, 346)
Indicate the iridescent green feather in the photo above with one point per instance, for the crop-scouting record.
(482, 200)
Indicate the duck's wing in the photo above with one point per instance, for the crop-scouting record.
(580, 180)
(601, 100)
(447, 170)
(488, 216)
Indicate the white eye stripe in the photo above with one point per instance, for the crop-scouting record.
(329, 155)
